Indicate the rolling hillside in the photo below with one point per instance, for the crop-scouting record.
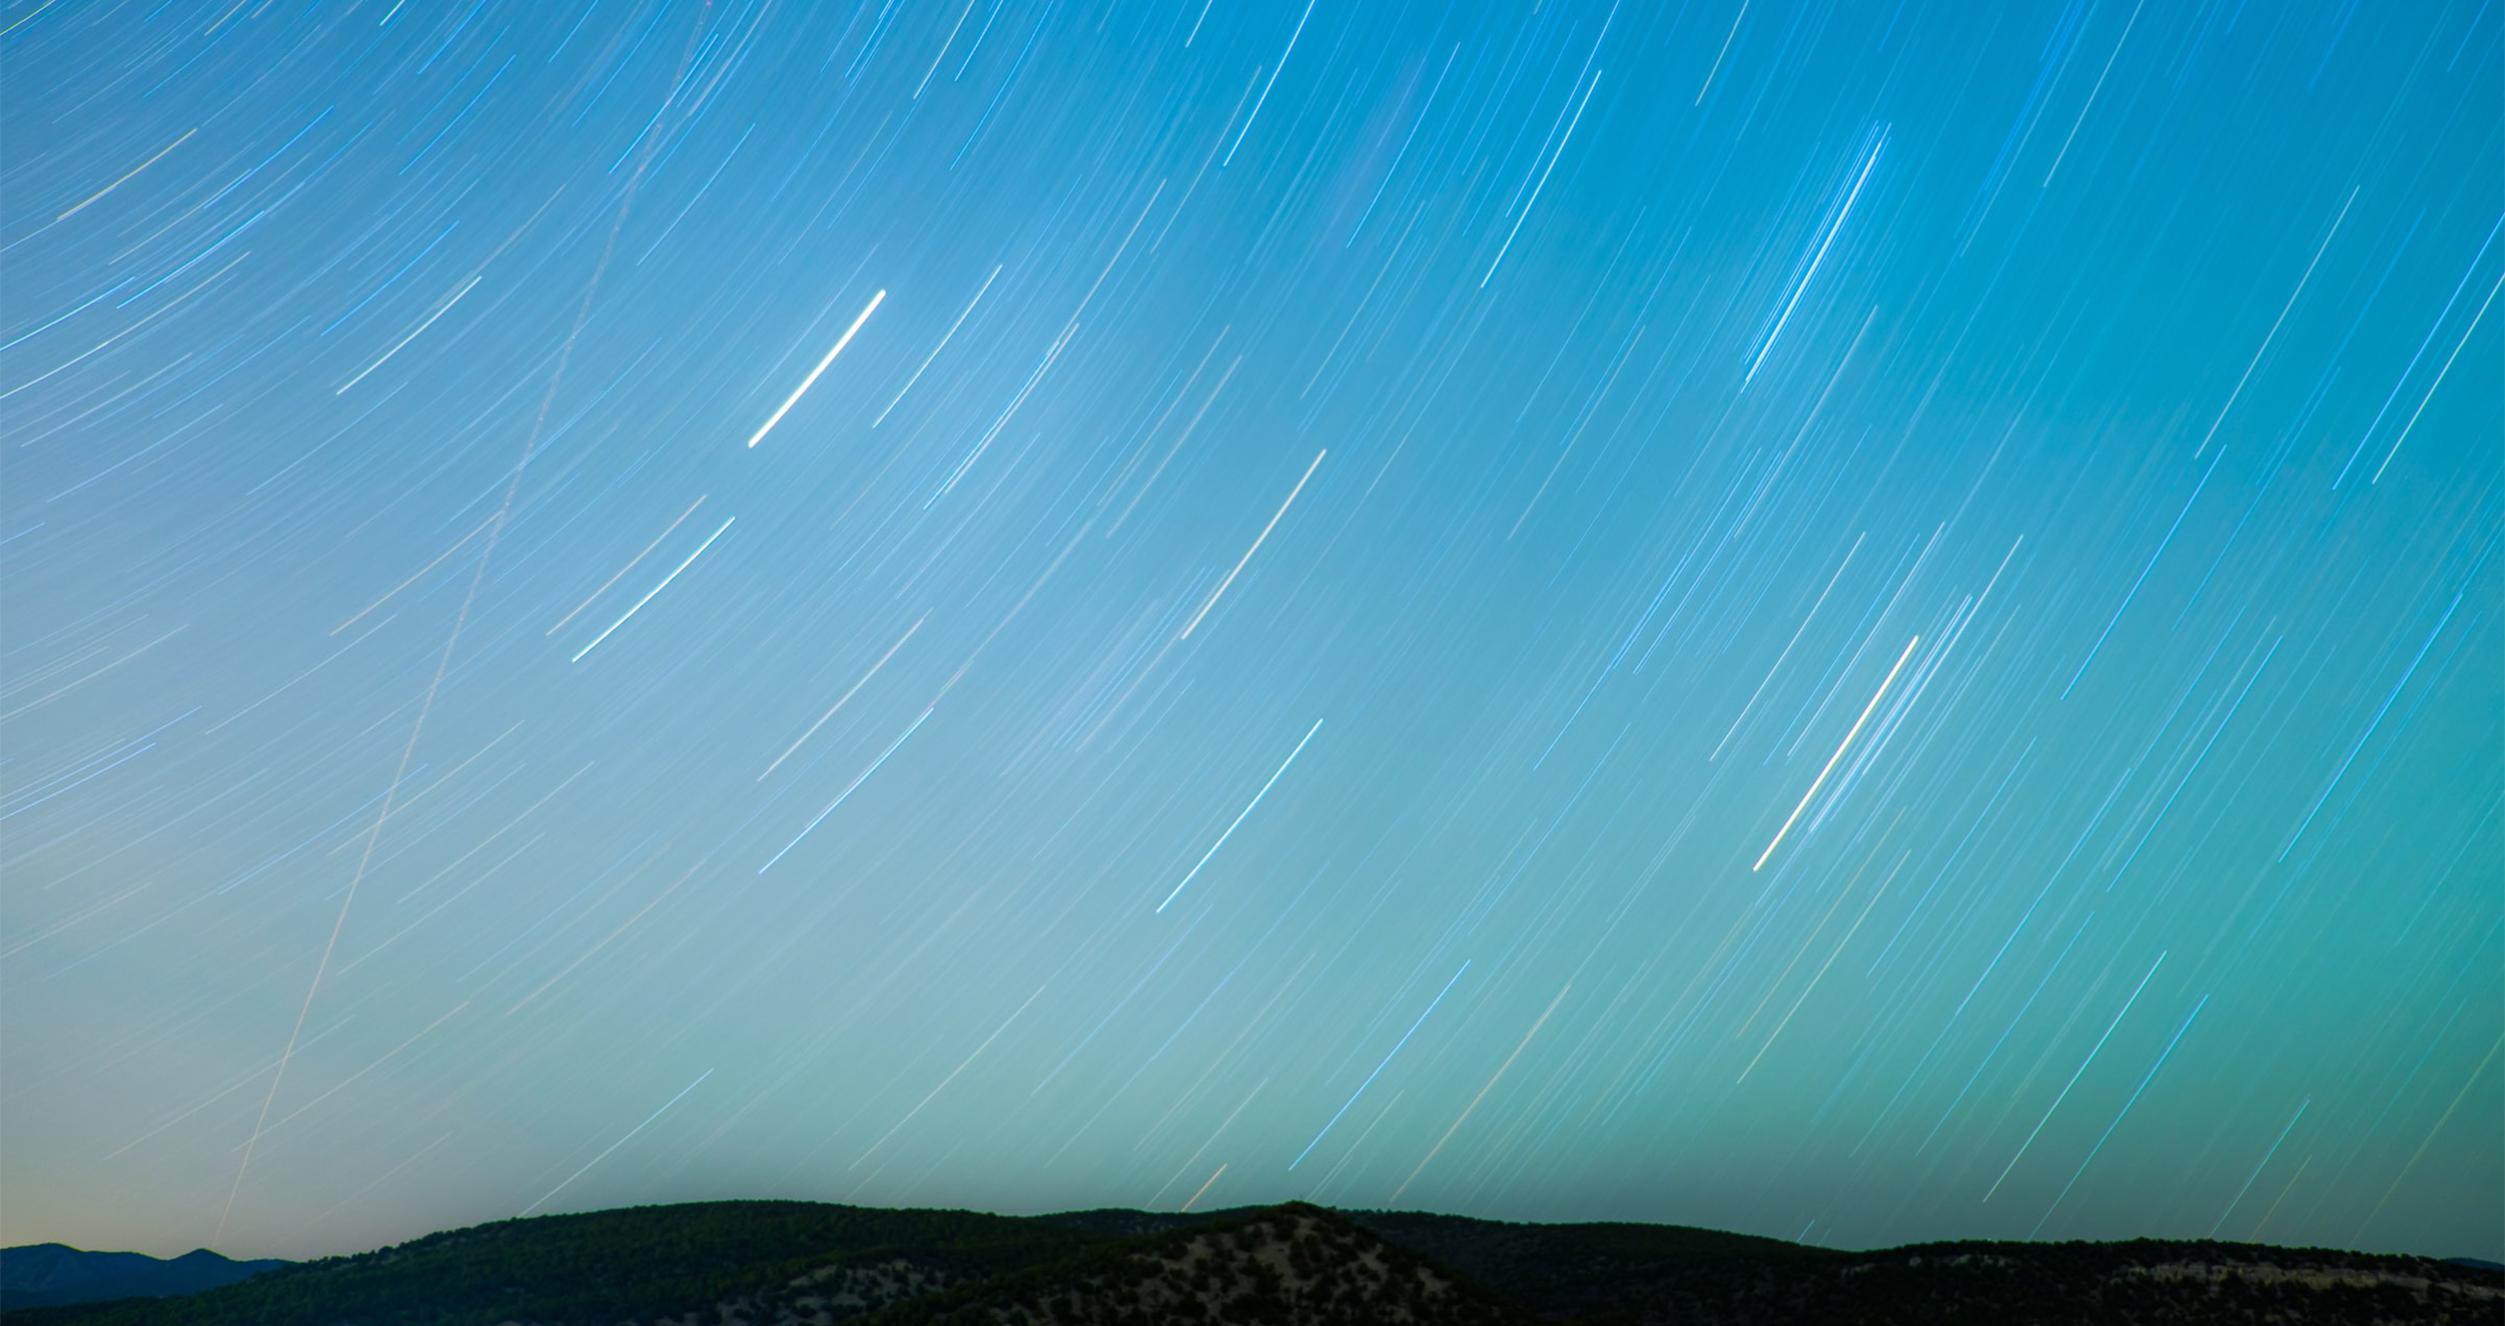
(806, 1264)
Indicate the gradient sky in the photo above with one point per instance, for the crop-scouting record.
(1860, 622)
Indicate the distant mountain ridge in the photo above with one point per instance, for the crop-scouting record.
(808, 1264)
(51, 1274)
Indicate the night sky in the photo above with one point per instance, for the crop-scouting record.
(1858, 622)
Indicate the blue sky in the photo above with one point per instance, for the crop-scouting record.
(1855, 622)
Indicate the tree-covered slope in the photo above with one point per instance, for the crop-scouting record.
(804, 1264)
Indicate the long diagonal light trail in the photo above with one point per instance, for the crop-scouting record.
(819, 371)
(1258, 540)
(1842, 746)
(1378, 1068)
(2081, 1071)
(452, 643)
(629, 614)
(611, 1149)
(1194, 872)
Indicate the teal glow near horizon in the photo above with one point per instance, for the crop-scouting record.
(1863, 623)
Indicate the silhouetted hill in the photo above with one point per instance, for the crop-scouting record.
(785, 1263)
(1569, 1272)
(46, 1274)
(2143, 1282)
(1564, 1270)
(640, 1263)
(1293, 1263)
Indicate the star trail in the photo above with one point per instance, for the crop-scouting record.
(1856, 622)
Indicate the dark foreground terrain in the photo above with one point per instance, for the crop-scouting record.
(797, 1262)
